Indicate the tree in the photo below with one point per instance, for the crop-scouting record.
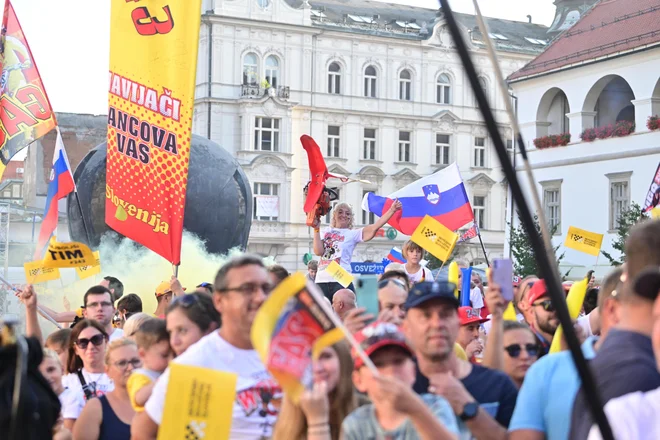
(524, 262)
(629, 218)
(434, 263)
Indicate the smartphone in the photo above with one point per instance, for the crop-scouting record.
(367, 294)
(503, 275)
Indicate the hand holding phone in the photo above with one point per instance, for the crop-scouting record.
(502, 271)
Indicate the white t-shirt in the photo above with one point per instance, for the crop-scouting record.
(417, 277)
(583, 321)
(338, 245)
(487, 325)
(633, 416)
(116, 334)
(75, 400)
(476, 298)
(253, 416)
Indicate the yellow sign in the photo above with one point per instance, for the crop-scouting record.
(655, 212)
(434, 237)
(88, 271)
(584, 241)
(339, 274)
(68, 255)
(199, 403)
(36, 273)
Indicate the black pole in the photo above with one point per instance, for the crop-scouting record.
(82, 217)
(548, 268)
(483, 249)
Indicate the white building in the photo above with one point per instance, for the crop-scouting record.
(603, 70)
(379, 87)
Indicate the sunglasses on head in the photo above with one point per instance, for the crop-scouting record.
(206, 285)
(546, 305)
(514, 350)
(384, 283)
(97, 340)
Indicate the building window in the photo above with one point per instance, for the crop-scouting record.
(328, 217)
(369, 150)
(619, 197)
(442, 149)
(265, 189)
(272, 71)
(368, 218)
(370, 77)
(479, 209)
(404, 146)
(333, 141)
(509, 149)
(479, 152)
(443, 90)
(6, 194)
(334, 79)
(266, 134)
(16, 191)
(552, 207)
(250, 69)
(405, 85)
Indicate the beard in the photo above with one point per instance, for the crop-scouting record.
(547, 326)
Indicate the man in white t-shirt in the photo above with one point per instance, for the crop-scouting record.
(99, 305)
(241, 287)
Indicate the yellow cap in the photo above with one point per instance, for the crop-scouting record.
(164, 288)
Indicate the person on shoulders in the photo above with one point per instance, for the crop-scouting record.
(414, 254)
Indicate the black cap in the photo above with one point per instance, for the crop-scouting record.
(426, 291)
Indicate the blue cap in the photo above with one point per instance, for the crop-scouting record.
(427, 291)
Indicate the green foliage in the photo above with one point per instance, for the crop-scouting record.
(434, 263)
(524, 262)
(628, 219)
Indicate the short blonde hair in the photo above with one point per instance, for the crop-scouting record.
(411, 246)
(51, 354)
(133, 323)
(118, 343)
(333, 221)
(394, 266)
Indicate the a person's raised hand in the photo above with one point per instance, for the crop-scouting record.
(355, 319)
(474, 347)
(493, 298)
(315, 404)
(28, 297)
(396, 206)
(396, 394)
(452, 389)
(387, 315)
(176, 287)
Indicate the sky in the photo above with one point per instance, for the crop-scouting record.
(69, 40)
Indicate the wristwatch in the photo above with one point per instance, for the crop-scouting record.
(469, 411)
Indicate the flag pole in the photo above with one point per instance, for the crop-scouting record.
(483, 248)
(82, 217)
(39, 309)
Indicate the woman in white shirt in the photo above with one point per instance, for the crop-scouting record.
(86, 376)
(413, 253)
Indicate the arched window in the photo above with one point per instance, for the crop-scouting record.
(443, 89)
(272, 71)
(250, 68)
(334, 79)
(370, 76)
(405, 85)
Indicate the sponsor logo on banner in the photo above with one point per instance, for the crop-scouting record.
(88, 271)
(68, 255)
(583, 241)
(339, 274)
(36, 273)
(153, 54)
(435, 238)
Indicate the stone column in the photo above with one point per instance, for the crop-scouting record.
(579, 122)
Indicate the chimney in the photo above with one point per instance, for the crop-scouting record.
(529, 18)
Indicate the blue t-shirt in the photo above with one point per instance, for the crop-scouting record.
(546, 398)
(362, 423)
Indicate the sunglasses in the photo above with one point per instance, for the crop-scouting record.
(122, 364)
(514, 350)
(206, 285)
(97, 340)
(546, 305)
(384, 283)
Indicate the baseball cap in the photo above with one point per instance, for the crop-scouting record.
(516, 280)
(468, 315)
(426, 291)
(377, 335)
(164, 288)
(538, 290)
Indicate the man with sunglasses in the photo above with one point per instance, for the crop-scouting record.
(544, 321)
(482, 399)
(165, 292)
(99, 306)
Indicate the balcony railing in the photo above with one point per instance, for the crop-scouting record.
(257, 91)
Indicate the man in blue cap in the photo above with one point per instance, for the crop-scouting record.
(482, 399)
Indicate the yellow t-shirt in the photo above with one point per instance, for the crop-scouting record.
(139, 379)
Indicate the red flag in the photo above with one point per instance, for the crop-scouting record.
(469, 234)
(25, 111)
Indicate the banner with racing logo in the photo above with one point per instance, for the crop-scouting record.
(25, 112)
(153, 60)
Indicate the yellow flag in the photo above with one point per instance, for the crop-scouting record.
(199, 404)
(453, 276)
(88, 271)
(584, 241)
(68, 255)
(36, 273)
(339, 274)
(434, 237)
(655, 212)
(574, 301)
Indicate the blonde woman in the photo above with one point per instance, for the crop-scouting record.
(414, 254)
(337, 243)
(319, 411)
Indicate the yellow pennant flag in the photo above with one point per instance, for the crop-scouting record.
(452, 276)
(434, 237)
(199, 404)
(574, 301)
(36, 273)
(339, 274)
(88, 271)
(655, 212)
(71, 254)
(584, 241)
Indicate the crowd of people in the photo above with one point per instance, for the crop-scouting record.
(442, 371)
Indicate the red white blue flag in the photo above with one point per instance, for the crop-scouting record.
(469, 234)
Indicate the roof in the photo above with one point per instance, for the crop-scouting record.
(414, 23)
(611, 27)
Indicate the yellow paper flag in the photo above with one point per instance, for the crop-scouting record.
(88, 271)
(36, 273)
(452, 276)
(199, 403)
(574, 301)
(655, 212)
(434, 237)
(584, 241)
(68, 255)
(339, 274)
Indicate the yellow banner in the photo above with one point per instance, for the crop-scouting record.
(435, 238)
(199, 404)
(88, 271)
(584, 241)
(36, 273)
(68, 255)
(655, 212)
(339, 274)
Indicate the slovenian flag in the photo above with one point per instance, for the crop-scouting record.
(396, 256)
(61, 184)
(440, 195)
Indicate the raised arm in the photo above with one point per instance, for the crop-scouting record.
(29, 298)
(369, 232)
